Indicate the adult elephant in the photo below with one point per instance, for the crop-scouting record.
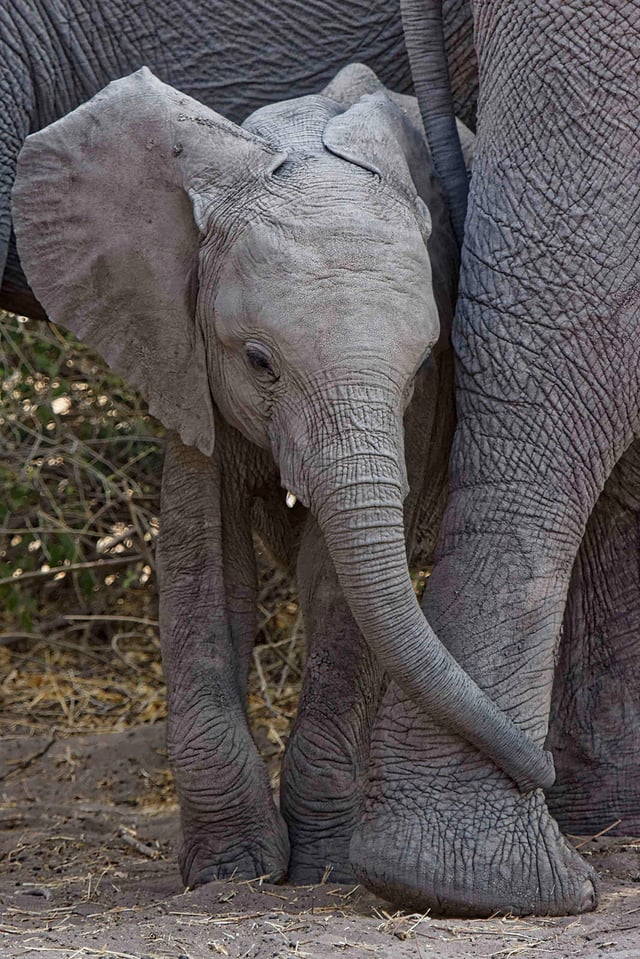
(547, 336)
(233, 57)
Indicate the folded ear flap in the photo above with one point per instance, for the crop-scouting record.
(105, 207)
(376, 134)
(351, 83)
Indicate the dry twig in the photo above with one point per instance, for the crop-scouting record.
(19, 766)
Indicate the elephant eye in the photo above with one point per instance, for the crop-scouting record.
(260, 359)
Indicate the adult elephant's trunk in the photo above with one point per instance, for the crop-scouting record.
(424, 39)
(358, 503)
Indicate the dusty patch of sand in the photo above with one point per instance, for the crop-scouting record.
(88, 838)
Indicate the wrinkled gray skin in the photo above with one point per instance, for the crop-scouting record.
(233, 57)
(597, 772)
(544, 472)
(270, 286)
(53, 68)
(595, 709)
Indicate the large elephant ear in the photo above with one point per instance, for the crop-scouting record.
(109, 205)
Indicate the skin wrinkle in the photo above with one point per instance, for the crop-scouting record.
(537, 437)
(590, 406)
(179, 491)
(234, 59)
(322, 419)
(248, 56)
(594, 713)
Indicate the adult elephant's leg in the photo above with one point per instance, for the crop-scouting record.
(595, 711)
(16, 84)
(443, 829)
(207, 619)
(326, 757)
(547, 343)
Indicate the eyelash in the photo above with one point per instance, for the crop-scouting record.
(259, 361)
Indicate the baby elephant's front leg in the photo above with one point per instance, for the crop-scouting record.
(207, 617)
(325, 763)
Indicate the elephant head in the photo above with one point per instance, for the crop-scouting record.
(280, 273)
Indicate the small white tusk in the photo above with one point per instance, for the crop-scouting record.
(291, 499)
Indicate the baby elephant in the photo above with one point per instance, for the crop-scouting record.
(279, 286)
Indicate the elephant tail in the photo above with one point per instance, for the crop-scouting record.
(424, 38)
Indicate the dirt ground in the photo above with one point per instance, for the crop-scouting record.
(88, 838)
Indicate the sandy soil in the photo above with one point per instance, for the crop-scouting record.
(88, 836)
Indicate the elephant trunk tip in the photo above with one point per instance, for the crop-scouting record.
(542, 776)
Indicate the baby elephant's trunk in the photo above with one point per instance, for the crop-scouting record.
(358, 502)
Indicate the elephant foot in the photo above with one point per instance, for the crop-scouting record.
(261, 851)
(313, 864)
(473, 850)
(231, 827)
(321, 801)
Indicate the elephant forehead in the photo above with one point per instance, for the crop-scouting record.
(338, 279)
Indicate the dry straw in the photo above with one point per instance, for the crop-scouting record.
(80, 464)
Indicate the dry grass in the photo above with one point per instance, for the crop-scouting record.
(75, 681)
(80, 465)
